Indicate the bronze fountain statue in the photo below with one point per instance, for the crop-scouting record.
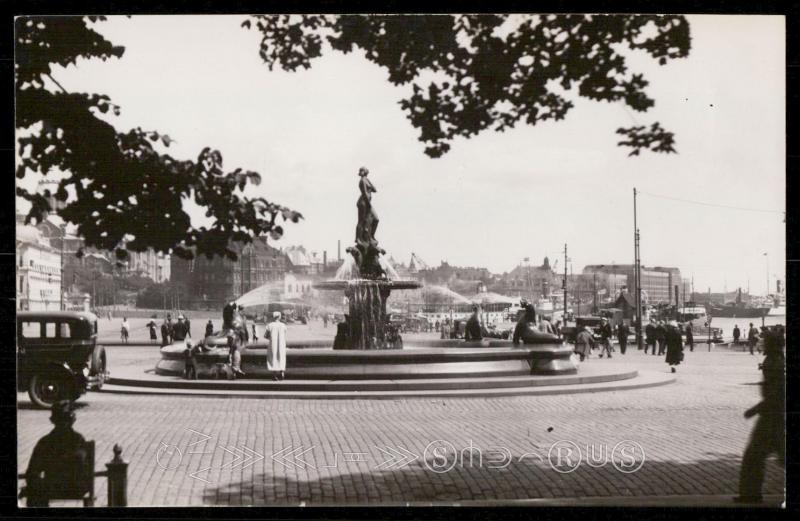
(367, 322)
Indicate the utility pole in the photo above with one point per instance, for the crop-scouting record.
(565, 284)
(637, 276)
(594, 292)
(61, 285)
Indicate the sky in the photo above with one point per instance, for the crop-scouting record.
(496, 198)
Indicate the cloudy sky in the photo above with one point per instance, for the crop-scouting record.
(496, 198)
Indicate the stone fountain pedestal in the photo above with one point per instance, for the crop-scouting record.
(366, 326)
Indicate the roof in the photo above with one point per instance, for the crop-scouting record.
(31, 235)
(627, 300)
(81, 315)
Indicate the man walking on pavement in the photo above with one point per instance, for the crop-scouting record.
(650, 337)
(752, 337)
(661, 337)
(690, 337)
(622, 337)
(605, 337)
(769, 433)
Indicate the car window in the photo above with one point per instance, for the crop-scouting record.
(50, 329)
(32, 329)
(64, 330)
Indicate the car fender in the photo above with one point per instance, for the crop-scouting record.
(61, 370)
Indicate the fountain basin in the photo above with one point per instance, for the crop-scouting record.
(490, 359)
(341, 285)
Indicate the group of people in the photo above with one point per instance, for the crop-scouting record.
(235, 329)
(170, 331)
(752, 337)
(656, 334)
(662, 338)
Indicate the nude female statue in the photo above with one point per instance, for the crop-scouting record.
(367, 217)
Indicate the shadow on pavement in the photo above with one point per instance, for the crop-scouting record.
(527, 479)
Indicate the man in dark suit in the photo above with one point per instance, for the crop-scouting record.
(622, 337)
(473, 329)
(769, 433)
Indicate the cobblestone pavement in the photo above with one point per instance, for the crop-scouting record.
(238, 451)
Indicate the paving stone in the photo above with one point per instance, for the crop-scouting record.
(693, 434)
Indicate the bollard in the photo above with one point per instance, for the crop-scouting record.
(117, 479)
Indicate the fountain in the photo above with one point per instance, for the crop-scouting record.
(366, 279)
(366, 357)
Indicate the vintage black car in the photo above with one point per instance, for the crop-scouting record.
(57, 355)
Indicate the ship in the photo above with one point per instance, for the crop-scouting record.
(737, 309)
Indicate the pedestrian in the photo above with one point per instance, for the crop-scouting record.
(690, 337)
(769, 433)
(661, 337)
(752, 337)
(622, 337)
(59, 453)
(445, 330)
(244, 335)
(605, 337)
(650, 337)
(473, 329)
(736, 334)
(584, 343)
(255, 336)
(209, 328)
(166, 331)
(125, 330)
(557, 328)
(153, 333)
(179, 329)
(188, 324)
(276, 352)
(325, 320)
(673, 345)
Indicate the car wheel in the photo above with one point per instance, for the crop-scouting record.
(45, 389)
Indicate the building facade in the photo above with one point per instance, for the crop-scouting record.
(38, 277)
(658, 283)
(148, 263)
(207, 283)
(527, 281)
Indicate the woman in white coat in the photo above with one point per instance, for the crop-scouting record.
(276, 353)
